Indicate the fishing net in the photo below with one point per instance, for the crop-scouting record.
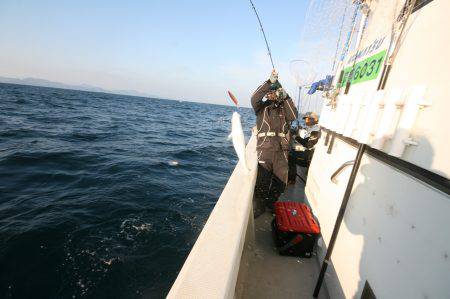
(302, 72)
(324, 41)
(325, 32)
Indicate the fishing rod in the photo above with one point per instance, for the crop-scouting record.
(264, 34)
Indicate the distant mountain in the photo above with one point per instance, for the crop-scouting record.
(84, 87)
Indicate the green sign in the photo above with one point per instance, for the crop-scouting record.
(364, 70)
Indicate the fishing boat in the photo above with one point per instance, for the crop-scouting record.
(378, 183)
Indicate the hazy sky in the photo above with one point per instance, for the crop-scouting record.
(193, 50)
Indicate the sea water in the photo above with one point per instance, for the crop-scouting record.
(102, 195)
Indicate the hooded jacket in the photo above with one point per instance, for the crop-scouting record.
(273, 117)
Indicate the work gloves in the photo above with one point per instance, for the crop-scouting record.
(273, 77)
(276, 86)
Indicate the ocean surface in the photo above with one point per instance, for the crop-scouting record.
(102, 195)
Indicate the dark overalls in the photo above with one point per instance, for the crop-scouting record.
(302, 158)
(273, 122)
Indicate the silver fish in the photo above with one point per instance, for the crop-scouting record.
(237, 135)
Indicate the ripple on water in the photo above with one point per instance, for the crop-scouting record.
(104, 195)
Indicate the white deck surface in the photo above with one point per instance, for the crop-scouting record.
(271, 275)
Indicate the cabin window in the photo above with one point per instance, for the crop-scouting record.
(367, 292)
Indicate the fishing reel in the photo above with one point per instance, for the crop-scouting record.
(276, 96)
(275, 86)
(281, 94)
(276, 93)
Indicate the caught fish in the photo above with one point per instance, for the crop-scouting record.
(237, 136)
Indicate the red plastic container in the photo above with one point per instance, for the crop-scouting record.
(294, 228)
(295, 217)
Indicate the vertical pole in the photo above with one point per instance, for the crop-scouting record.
(327, 138)
(298, 101)
(331, 144)
(340, 217)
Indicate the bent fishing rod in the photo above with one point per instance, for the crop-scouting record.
(264, 34)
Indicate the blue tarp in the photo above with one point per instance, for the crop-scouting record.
(323, 84)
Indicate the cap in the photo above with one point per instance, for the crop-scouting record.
(312, 115)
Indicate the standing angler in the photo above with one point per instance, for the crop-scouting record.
(273, 122)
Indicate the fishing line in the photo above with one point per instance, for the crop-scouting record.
(264, 34)
(339, 39)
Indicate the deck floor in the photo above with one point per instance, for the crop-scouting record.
(271, 275)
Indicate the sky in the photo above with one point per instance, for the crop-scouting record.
(184, 50)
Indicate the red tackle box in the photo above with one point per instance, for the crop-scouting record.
(294, 229)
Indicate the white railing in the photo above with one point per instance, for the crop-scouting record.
(212, 267)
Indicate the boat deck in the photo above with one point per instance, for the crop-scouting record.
(271, 275)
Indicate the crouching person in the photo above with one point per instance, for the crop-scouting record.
(304, 141)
